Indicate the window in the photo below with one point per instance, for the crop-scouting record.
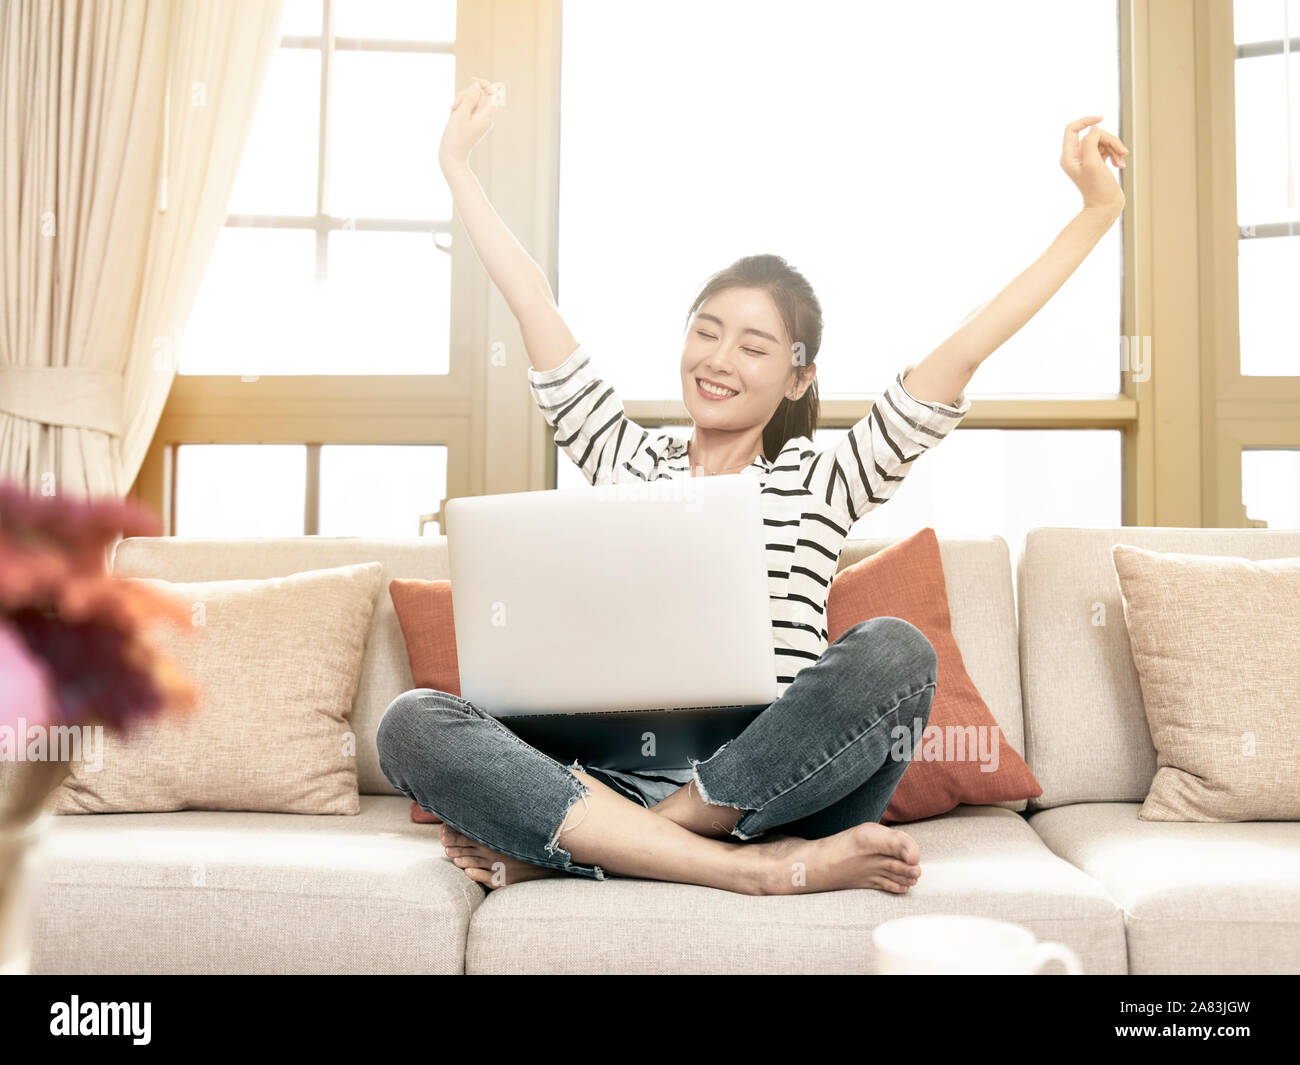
(974, 483)
(240, 489)
(370, 490)
(1268, 214)
(1270, 486)
(816, 132)
(320, 389)
(1255, 424)
(829, 133)
(296, 489)
(336, 247)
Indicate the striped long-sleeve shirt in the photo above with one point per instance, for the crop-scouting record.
(809, 497)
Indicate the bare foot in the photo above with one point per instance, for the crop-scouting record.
(487, 867)
(864, 856)
(421, 816)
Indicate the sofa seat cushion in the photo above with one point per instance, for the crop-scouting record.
(982, 860)
(1198, 897)
(201, 891)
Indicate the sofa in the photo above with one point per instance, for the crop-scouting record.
(374, 893)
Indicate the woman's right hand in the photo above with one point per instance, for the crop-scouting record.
(470, 118)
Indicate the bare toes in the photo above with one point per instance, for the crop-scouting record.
(911, 849)
(482, 876)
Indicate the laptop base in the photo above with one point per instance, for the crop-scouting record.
(637, 740)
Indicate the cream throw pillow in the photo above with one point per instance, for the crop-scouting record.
(277, 664)
(1215, 642)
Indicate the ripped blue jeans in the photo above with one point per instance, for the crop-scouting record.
(827, 755)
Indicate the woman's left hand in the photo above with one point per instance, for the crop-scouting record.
(1084, 162)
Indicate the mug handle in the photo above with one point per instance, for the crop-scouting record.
(1045, 952)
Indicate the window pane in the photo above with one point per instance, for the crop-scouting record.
(380, 489)
(384, 309)
(396, 20)
(1262, 135)
(1003, 481)
(240, 489)
(256, 307)
(1261, 20)
(980, 482)
(302, 18)
(1268, 278)
(387, 305)
(567, 474)
(277, 173)
(858, 190)
(388, 111)
(1270, 486)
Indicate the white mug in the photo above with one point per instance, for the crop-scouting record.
(951, 943)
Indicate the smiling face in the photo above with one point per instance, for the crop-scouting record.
(738, 363)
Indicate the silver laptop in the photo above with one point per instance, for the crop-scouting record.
(588, 617)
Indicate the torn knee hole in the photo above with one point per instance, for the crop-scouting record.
(564, 825)
(586, 809)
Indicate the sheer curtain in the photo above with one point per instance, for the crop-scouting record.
(121, 128)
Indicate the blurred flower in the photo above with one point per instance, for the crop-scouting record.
(91, 632)
(78, 530)
(24, 683)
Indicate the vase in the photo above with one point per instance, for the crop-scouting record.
(21, 869)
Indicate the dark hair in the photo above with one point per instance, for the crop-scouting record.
(802, 314)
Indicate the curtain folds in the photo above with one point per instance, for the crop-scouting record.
(121, 127)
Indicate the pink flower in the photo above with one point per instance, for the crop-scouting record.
(90, 632)
(25, 690)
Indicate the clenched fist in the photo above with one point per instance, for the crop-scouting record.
(469, 120)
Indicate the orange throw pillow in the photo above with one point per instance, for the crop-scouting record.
(906, 581)
(424, 612)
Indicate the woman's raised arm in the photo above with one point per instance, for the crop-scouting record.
(947, 370)
(514, 272)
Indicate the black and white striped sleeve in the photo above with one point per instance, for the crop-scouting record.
(867, 466)
(587, 416)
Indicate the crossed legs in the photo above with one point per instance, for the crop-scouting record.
(824, 749)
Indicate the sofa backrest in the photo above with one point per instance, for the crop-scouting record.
(978, 572)
(1086, 735)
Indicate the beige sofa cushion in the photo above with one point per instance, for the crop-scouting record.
(385, 671)
(276, 663)
(1197, 897)
(196, 891)
(1086, 735)
(1214, 642)
(975, 859)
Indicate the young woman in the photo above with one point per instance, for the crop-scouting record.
(822, 761)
